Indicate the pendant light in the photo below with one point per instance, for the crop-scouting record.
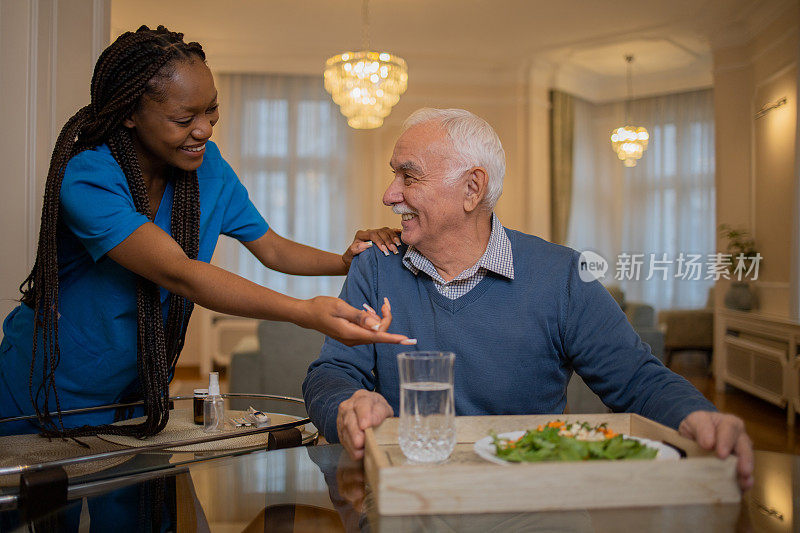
(629, 142)
(365, 84)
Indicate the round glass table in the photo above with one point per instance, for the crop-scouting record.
(318, 488)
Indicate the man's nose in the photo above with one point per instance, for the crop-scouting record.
(393, 194)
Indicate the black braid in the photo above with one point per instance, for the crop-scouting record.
(134, 65)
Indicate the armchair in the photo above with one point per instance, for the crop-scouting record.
(277, 367)
(689, 329)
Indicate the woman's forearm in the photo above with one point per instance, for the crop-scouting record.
(289, 257)
(219, 290)
(151, 253)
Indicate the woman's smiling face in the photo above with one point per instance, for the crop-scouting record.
(172, 127)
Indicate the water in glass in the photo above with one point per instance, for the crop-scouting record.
(427, 421)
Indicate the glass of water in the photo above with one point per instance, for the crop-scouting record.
(427, 411)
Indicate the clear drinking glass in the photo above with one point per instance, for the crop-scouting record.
(427, 410)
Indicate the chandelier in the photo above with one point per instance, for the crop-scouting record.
(366, 84)
(629, 142)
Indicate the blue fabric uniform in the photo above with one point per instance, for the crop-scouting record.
(516, 342)
(97, 297)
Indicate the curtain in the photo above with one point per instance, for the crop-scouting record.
(561, 148)
(661, 211)
(290, 147)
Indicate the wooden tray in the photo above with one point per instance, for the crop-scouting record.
(465, 483)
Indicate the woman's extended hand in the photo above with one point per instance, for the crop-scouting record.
(386, 239)
(348, 325)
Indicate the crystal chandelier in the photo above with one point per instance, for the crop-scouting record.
(629, 142)
(366, 84)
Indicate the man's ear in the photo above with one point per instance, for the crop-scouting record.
(477, 182)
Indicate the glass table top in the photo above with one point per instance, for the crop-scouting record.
(319, 488)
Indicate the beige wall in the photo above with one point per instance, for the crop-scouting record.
(47, 53)
(756, 158)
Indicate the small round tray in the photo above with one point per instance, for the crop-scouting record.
(181, 426)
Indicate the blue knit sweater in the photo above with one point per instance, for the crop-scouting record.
(516, 341)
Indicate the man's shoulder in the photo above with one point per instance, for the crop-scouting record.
(529, 246)
(373, 260)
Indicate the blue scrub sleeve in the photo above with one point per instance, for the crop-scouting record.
(242, 221)
(96, 203)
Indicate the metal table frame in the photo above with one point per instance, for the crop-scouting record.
(79, 490)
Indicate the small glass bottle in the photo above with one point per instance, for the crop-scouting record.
(213, 406)
(197, 404)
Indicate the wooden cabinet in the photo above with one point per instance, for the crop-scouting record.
(758, 353)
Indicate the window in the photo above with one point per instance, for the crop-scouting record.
(289, 146)
(663, 205)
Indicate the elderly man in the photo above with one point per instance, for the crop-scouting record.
(511, 306)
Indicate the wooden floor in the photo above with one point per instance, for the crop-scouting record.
(766, 423)
(187, 378)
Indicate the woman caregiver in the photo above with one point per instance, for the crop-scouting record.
(135, 200)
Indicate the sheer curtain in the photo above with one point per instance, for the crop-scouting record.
(290, 146)
(662, 208)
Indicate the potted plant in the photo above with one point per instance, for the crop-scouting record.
(740, 244)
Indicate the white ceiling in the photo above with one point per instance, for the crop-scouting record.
(582, 41)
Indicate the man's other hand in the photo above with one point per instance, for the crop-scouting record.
(362, 410)
(724, 434)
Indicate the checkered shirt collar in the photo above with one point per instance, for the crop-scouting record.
(497, 258)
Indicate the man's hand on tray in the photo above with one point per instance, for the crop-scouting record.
(725, 434)
(362, 410)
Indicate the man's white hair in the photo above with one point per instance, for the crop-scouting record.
(475, 144)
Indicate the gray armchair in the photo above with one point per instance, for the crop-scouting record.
(689, 329)
(278, 366)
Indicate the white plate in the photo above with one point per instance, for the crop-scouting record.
(485, 448)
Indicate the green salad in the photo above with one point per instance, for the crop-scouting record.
(577, 441)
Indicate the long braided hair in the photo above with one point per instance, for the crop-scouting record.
(136, 64)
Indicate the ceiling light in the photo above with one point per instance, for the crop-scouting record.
(629, 142)
(366, 84)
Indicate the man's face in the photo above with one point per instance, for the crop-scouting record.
(432, 208)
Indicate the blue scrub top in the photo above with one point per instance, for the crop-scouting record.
(97, 297)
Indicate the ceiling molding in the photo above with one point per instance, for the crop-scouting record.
(451, 42)
(456, 70)
(662, 65)
(750, 23)
(598, 89)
